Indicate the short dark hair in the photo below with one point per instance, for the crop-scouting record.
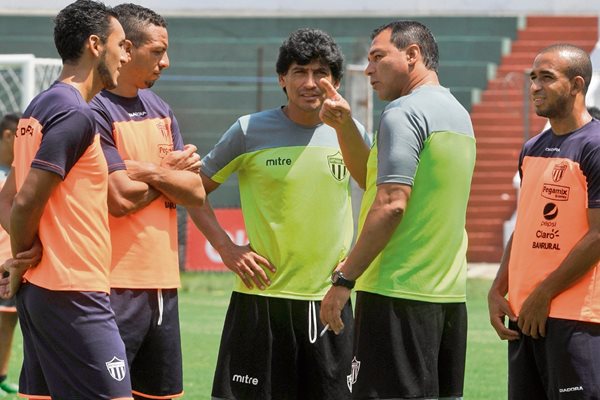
(306, 45)
(579, 63)
(134, 18)
(9, 121)
(75, 23)
(405, 33)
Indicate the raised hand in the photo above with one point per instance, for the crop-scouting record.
(335, 110)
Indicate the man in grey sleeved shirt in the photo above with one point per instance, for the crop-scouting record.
(411, 251)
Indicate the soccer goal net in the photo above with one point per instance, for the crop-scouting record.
(22, 76)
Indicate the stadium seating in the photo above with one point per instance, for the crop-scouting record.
(501, 128)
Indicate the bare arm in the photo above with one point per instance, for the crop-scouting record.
(584, 255)
(498, 306)
(16, 266)
(133, 189)
(177, 177)
(126, 196)
(26, 212)
(382, 220)
(28, 207)
(181, 187)
(242, 260)
(336, 113)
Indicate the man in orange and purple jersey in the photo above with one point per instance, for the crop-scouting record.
(550, 268)
(55, 195)
(8, 308)
(150, 171)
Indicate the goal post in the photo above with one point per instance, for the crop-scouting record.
(22, 77)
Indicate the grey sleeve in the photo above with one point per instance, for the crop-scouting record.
(400, 140)
(228, 148)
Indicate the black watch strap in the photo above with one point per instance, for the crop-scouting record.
(338, 279)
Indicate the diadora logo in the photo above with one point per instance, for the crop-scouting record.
(116, 368)
(137, 114)
(336, 166)
(24, 130)
(245, 379)
(556, 192)
(571, 389)
(351, 379)
(559, 171)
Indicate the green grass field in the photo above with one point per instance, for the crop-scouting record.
(203, 302)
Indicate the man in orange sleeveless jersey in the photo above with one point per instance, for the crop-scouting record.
(550, 266)
(55, 194)
(150, 171)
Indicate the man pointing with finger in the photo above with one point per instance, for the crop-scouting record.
(411, 326)
(295, 196)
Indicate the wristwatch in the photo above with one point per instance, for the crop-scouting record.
(338, 279)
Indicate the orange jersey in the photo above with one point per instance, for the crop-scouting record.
(145, 249)
(561, 179)
(57, 134)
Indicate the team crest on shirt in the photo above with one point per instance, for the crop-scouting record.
(559, 171)
(162, 128)
(116, 368)
(336, 166)
(351, 379)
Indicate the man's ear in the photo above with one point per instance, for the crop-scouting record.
(578, 85)
(94, 44)
(413, 53)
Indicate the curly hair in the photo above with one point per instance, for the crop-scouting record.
(75, 23)
(306, 45)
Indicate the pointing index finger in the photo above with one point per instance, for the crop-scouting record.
(329, 89)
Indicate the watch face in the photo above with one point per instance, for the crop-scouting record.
(335, 277)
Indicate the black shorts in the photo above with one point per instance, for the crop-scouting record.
(148, 321)
(271, 350)
(563, 365)
(71, 346)
(407, 349)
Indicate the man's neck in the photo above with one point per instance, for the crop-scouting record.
(308, 119)
(571, 122)
(124, 89)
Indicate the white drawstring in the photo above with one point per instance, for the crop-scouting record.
(160, 307)
(312, 322)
